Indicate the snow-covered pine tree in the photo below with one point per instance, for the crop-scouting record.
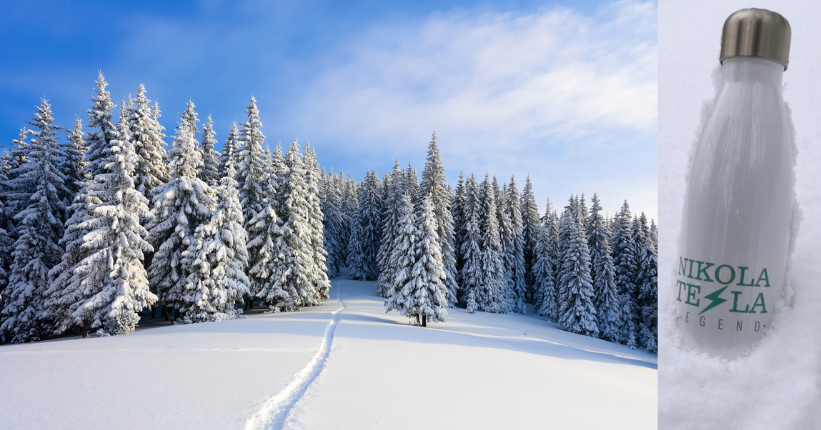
(545, 287)
(179, 207)
(147, 137)
(332, 225)
(209, 172)
(457, 210)
(491, 294)
(576, 313)
(626, 264)
(317, 275)
(370, 225)
(412, 184)
(107, 288)
(515, 254)
(403, 258)
(427, 295)
(355, 255)
(390, 226)
(217, 259)
(250, 172)
(606, 301)
(39, 228)
(74, 158)
(530, 227)
(230, 151)
(433, 184)
(102, 131)
(472, 274)
(648, 296)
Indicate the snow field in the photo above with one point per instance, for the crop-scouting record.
(474, 371)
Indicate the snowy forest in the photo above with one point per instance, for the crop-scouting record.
(114, 221)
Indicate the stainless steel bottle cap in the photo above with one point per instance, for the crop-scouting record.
(757, 33)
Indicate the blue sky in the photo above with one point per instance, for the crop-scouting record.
(564, 91)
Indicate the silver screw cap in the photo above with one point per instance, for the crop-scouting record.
(758, 33)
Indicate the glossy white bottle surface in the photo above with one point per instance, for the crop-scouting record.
(738, 208)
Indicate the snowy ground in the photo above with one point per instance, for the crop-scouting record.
(778, 384)
(475, 371)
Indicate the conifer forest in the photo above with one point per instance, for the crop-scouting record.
(104, 223)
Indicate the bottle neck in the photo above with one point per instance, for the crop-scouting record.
(755, 70)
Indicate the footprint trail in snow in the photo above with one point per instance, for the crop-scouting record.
(274, 412)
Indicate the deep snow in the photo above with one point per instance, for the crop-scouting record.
(474, 371)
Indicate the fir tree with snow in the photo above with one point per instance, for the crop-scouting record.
(217, 258)
(230, 151)
(101, 282)
(626, 264)
(391, 217)
(403, 258)
(39, 228)
(412, 184)
(545, 286)
(648, 296)
(250, 172)
(332, 225)
(457, 210)
(607, 301)
(318, 270)
(490, 297)
(577, 313)
(433, 185)
(427, 292)
(102, 131)
(147, 137)
(74, 158)
(179, 207)
(515, 253)
(209, 172)
(530, 227)
(370, 225)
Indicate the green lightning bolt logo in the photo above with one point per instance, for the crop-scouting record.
(715, 299)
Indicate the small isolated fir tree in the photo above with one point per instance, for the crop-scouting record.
(218, 258)
(107, 288)
(427, 292)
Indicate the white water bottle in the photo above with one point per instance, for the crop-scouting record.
(738, 206)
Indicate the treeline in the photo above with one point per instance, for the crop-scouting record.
(113, 221)
(430, 246)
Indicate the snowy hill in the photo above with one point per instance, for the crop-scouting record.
(474, 371)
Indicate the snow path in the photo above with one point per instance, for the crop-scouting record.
(273, 413)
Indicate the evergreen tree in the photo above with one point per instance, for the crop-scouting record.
(403, 258)
(545, 286)
(370, 225)
(147, 137)
(433, 185)
(427, 295)
(101, 282)
(332, 225)
(250, 172)
(457, 209)
(576, 313)
(217, 259)
(491, 295)
(626, 264)
(230, 151)
(530, 227)
(209, 173)
(515, 253)
(648, 296)
(391, 218)
(317, 274)
(74, 158)
(607, 302)
(102, 130)
(179, 207)
(40, 227)
(412, 184)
